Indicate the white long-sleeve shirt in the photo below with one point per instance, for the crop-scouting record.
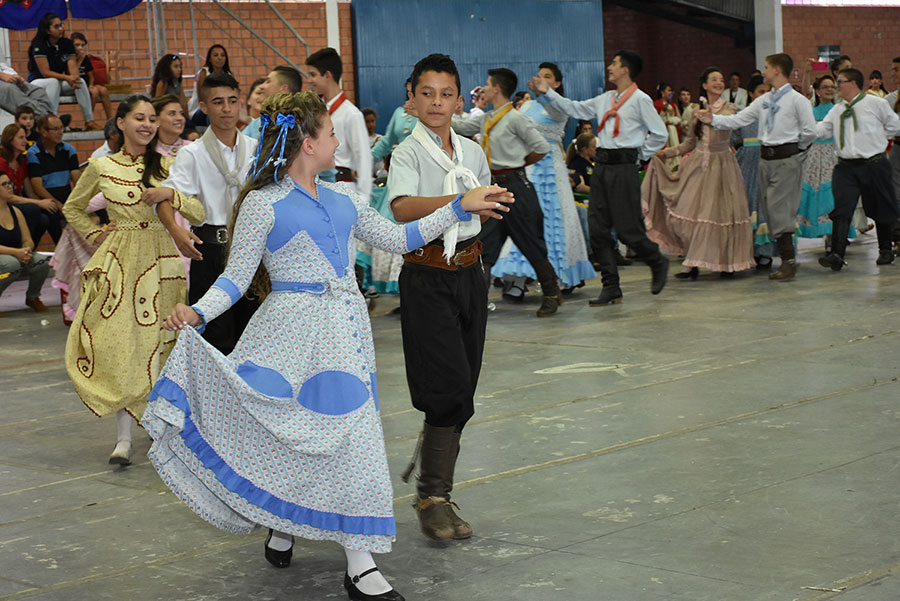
(353, 152)
(876, 122)
(794, 121)
(194, 174)
(640, 126)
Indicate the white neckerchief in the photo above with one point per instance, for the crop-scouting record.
(454, 170)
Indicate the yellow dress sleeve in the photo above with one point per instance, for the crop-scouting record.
(74, 208)
(191, 208)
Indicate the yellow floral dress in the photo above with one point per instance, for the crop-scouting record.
(117, 342)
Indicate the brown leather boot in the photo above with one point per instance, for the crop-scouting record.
(437, 520)
(788, 268)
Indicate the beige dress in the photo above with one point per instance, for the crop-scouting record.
(116, 343)
(700, 211)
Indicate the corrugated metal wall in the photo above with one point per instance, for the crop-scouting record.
(390, 36)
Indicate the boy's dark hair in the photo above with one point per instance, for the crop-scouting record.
(290, 77)
(783, 62)
(369, 111)
(218, 80)
(755, 82)
(23, 110)
(77, 35)
(506, 79)
(327, 59)
(439, 63)
(733, 73)
(556, 73)
(837, 62)
(854, 75)
(632, 60)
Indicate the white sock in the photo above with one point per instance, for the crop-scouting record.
(357, 563)
(123, 424)
(280, 541)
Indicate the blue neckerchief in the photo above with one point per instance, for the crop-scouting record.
(772, 105)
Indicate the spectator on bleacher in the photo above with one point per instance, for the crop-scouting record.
(52, 66)
(16, 92)
(216, 62)
(281, 79)
(876, 84)
(583, 127)
(13, 163)
(99, 93)
(17, 256)
(167, 79)
(25, 119)
(112, 141)
(53, 170)
(171, 121)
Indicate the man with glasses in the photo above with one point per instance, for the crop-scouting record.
(860, 125)
(786, 129)
(53, 170)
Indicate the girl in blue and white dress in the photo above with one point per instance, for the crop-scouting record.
(566, 247)
(285, 432)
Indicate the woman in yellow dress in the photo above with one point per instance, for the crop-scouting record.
(117, 342)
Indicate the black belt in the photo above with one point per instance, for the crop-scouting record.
(507, 174)
(782, 151)
(212, 234)
(616, 156)
(856, 162)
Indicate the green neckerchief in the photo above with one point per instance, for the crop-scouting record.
(849, 112)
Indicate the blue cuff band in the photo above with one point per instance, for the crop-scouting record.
(414, 238)
(461, 213)
(202, 315)
(229, 288)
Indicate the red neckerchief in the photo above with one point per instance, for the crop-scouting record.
(614, 111)
(340, 100)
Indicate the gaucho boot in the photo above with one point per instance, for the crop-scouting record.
(884, 229)
(552, 299)
(438, 521)
(835, 259)
(788, 268)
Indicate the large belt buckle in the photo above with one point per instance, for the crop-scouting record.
(457, 258)
(222, 235)
(419, 252)
(768, 152)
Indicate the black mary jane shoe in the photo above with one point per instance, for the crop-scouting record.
(279, 559)
(688, 275)
(357, 595)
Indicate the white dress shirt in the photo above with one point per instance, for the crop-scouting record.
(193, 173)
(640, 126)
(876, 122)
(353, 152)
(738, 98)
(414, 173)
(512, 138)
(794, 121)
(103, 151)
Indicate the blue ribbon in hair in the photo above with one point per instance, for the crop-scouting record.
(286, 123)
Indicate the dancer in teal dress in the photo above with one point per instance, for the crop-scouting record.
(566, 248)
(817, 201)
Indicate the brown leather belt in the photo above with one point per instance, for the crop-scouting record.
(432, 255)
(782, 151)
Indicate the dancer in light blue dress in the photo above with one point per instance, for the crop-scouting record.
(285, 432)
(566, 248)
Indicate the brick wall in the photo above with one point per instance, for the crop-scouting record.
(672, 52)
(249, 58)
(869, 35)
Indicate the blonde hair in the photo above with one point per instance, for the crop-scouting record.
(308, 110)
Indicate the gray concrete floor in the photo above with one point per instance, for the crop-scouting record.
(726, 440)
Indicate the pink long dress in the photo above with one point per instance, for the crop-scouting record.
(700, 210)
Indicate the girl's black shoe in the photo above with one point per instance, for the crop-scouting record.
(356, 595)
(688, 275)
(279, 559)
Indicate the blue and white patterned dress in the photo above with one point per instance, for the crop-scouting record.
(285, 432)
(566, 247)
